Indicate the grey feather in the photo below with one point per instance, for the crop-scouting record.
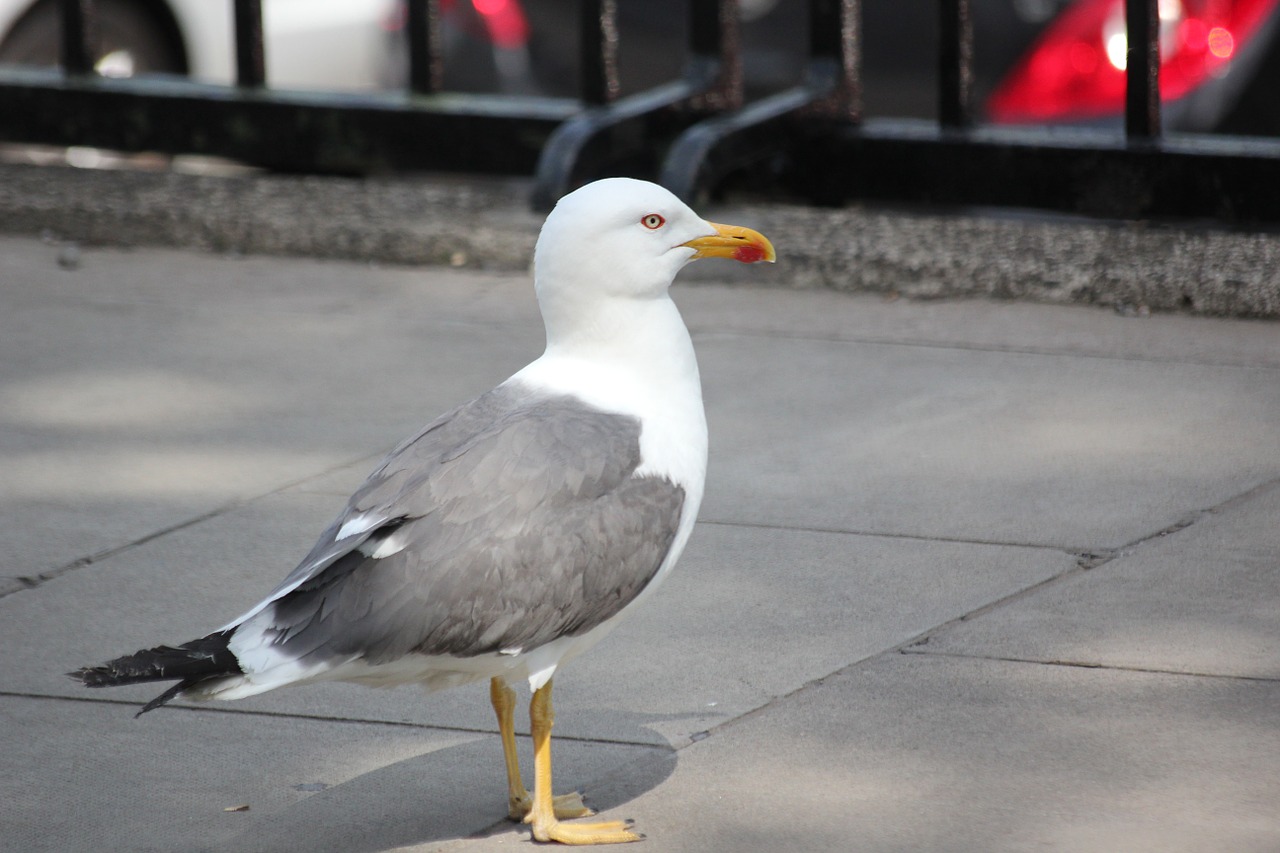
(521, 519)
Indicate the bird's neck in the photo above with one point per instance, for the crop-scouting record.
(624, 349)
(624, 332)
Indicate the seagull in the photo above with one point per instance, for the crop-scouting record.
(511, 534)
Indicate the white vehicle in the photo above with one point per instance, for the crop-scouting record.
(309, 44)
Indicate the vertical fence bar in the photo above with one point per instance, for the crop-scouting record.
(955, 63)
(714, 36)
(835, 34)
(422, 29)
(598, 49)
(251, 67)
(1142, 70)
(705, 34)
(78, 20)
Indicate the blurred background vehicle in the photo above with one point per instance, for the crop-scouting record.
(310, 44)
(1035, 61)
(1219, 66)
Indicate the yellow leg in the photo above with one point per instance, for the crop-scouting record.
(546, 825)
(519, 803)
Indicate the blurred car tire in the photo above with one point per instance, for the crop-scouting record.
(132, 38)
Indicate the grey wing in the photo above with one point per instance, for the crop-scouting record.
(382, 495)
(510, 522)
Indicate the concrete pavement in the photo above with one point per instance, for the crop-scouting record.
(970, 576)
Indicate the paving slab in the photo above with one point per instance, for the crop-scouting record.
(138, 395)
(1044, 449)
(279, 352)
(164, 783)
(718, 641)
(1200, 600)
(921, 752)
(712, 307)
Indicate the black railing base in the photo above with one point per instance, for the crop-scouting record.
(1079, 171)
(279, 129)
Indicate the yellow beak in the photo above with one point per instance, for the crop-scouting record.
(733, 241)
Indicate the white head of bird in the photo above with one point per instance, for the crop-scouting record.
(618, 242)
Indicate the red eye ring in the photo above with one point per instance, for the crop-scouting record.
(652, 221)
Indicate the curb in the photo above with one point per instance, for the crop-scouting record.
(486, 223)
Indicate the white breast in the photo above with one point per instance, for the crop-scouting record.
(647, 370)
(651, 375)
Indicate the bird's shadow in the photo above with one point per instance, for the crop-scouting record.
(455, 792)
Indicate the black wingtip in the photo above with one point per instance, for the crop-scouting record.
(103, 676)
(189, 664)
(94, 676)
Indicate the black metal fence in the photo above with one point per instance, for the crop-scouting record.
(693, 134)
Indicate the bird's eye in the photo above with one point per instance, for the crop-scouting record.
(652, 221)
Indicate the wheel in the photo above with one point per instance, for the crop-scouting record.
(131, 40)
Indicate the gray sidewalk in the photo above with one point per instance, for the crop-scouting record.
(970, 576)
